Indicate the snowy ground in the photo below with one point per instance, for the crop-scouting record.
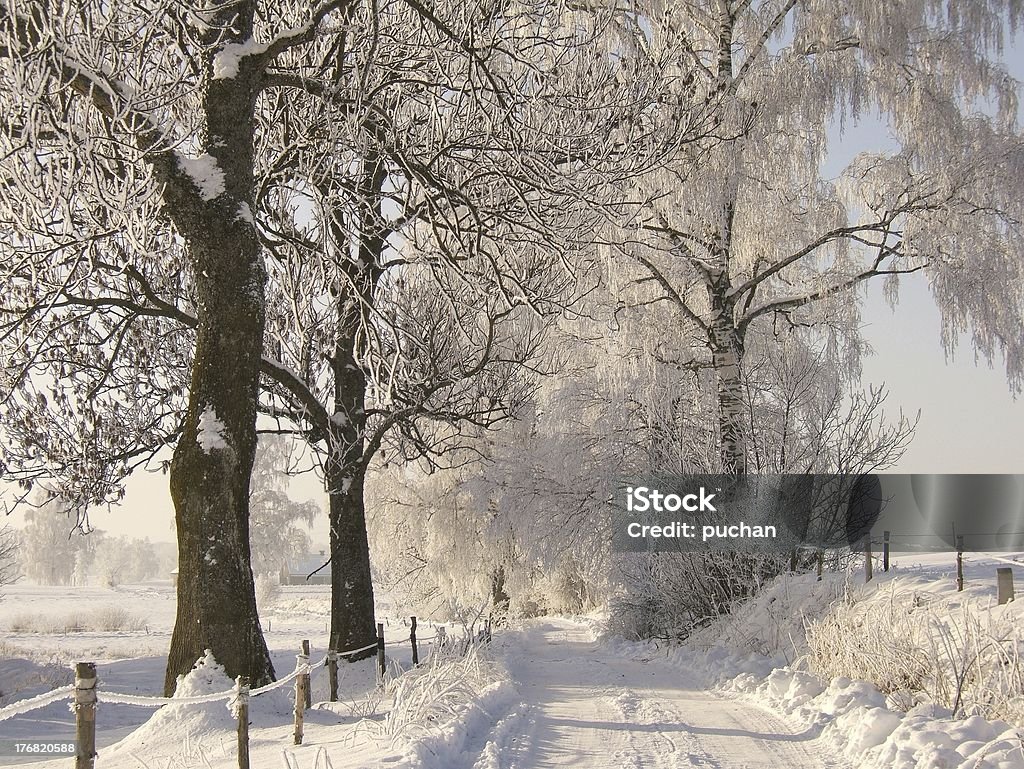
(553, 693)
(131, 661)
(592, 706)
(552, 696)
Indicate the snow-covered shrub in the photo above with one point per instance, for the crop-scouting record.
(436, 692)
(950, 652)
(668, 595)
(115, 618)
(773, 622)
(107, 619)
(20, 677)
(441, 710)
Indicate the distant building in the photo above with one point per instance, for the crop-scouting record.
(295, 571)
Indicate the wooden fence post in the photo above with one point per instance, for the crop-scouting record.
(243, 721)
(306, 688)
(960, 563)
(412, 639)
(300, 696)
(381, 666)
(332, 674)
(885, 551)
(85, 715)
(1004, 582)
(868, 566)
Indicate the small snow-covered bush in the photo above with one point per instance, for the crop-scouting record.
(115, 618)
(772, 623)
(436, 692)
(18, 675)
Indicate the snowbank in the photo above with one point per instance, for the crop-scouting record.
(854, 718)
(908, 632)
(801, 646)
(184, 734)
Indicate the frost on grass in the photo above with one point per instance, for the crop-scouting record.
(439, 708)
(210, 434)
(205, 174)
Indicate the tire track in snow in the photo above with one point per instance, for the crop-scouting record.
(590, 708)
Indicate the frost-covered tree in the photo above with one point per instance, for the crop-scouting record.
(278, 524)
(117, 560)
(522, 526)
(129, 153)
(10, 569)
(749, 238)
(421, 266)
(49, 542)
(419, 180)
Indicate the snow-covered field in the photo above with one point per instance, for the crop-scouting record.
(43, 630)
(754, 690)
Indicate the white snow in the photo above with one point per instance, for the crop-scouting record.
(227, 59)
(554, 692)
(761, 654)
(205, 174)
(210, 433)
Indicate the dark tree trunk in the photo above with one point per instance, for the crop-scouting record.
(500, 599)
(353, 624)
(352, 614)
(213, 459)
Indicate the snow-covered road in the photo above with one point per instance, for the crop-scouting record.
(589, 707)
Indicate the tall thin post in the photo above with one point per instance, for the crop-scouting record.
(307, 688)
(412, 639)
(242, 682)
(885, 551)
(85, 715)
(380, 650)
(300, 695)
(332, 674)
(868, 566)
(960, 563)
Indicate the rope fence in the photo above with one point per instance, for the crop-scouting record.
(85, 693)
